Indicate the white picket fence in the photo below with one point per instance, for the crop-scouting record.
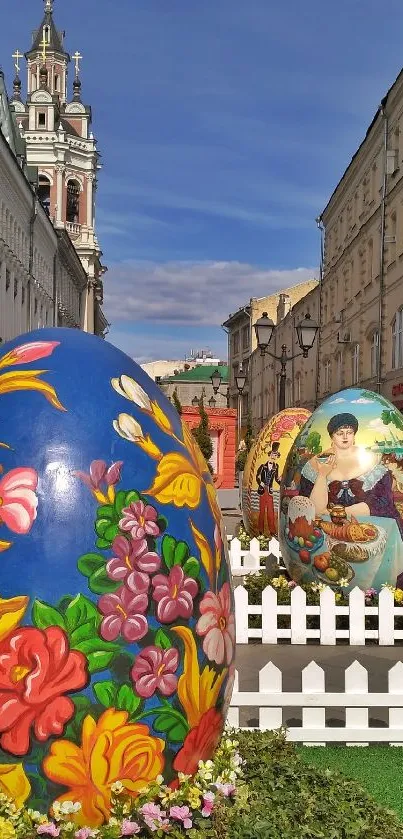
(313, 699)
(254, 559)
(327, 611)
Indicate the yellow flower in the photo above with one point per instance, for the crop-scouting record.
(198, 692)
(14, 783)
(398, 595)
(112, 750)
(12, 611)
(7, 829)
(177, 482)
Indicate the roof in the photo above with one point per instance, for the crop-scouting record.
(202, 373)
(55, 42)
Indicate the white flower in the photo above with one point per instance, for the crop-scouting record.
(130, 389)
(35, 815)
(117, 787)
(344, 583)
(128, 428)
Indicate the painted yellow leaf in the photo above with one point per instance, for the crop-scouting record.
(12, 611)
(206, 555)
(160, 417)
(28, 380)
(197, 693)
(147, 444)
(176, 482)
(4, 546)
(194, 449)
(14, 783)
(213, 502)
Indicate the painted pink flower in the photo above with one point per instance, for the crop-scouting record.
(124, 615)
(181, 814)
(140, 520)
(174, 595)
(132, 562)
(18, 501)
(28, 352)
(217, 624)
(100, 473)
(154, 669)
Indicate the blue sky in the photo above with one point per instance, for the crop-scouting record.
(224, 126)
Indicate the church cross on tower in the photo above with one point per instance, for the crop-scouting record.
(17, 55)
(77, 57)
(44, 44)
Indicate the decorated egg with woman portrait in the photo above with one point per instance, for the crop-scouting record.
(341, 519)
(263, 470)
(117, 630)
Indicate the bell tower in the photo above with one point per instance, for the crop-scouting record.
(56, 128)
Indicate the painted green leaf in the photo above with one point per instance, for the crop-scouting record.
(88, 563)
(166, 723)
(162, 640)
(181, 553)
(192, 567)
(178, 732)
(168, 550)
(99, 653)
(127, 700)
(44, 615)
(100, 583)
(83, 633)
(101, 526)
(111, 532)
(106, 692)
(80, 611)
(162, 523)
(120, 502)
(106, 511)
(102, 543)
(131, 497)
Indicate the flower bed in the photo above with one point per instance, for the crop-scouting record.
(257, 787)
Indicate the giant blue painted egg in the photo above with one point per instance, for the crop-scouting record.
(341, 496)
(116, 609)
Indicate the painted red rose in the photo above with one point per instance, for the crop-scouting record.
(200, 743)
(37, 669)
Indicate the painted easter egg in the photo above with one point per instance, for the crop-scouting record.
(263, 470)
(116, 599)
(341, 519)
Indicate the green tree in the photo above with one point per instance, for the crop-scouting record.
(176, 402)
(392, 417)
(202, 435)
(313, 442)
(249, 434)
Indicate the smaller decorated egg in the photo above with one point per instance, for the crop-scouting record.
(341, 497)
(263, 470)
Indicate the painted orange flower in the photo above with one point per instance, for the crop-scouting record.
(111, 750)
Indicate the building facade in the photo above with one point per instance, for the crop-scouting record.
(242, 347)
(222, 429)
(194, 384)
(361, 305)
(49, 133)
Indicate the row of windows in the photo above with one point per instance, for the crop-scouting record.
(72, 200)
(397, 356)
(237, 337)
(39, 310)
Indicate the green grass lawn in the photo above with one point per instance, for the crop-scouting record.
(379, 769)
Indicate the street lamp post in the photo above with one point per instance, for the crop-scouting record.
(306, 332)
(240, 381)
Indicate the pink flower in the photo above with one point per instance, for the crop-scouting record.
(28, 352)
(217, 624)
(208, 804)
(18, 501)
(154, 817)
(226, 789)
(84, 833)
(100, 473)
(140, 520)
(48, 829)
(129, 828)
(291, 584)
(181, 814)
(174, 595)
(154, 669)
(132, 562)
(124, 614)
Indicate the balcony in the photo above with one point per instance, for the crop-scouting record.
(73, 229)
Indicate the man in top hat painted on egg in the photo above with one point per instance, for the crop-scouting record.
(265, 477)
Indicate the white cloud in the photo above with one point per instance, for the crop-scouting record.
(377, 425)
(362, 401)
(190, 293)
(337, 401)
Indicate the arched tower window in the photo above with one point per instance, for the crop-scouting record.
(33, 82)
(57, 83)
(73, 202)
(44, 193)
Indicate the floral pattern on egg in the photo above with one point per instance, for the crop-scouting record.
(117, 631)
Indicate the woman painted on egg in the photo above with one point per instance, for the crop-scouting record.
(348, 475)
